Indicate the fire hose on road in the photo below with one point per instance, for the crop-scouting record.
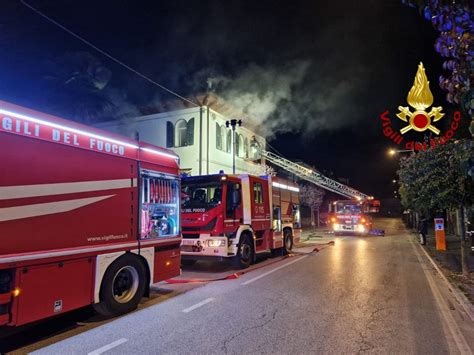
(238, 274)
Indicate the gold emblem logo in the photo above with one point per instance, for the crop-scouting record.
(420, 98)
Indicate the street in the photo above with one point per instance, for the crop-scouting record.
(373, 294)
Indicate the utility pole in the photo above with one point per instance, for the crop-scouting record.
(233, 122)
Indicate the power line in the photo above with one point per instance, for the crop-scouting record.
(105, 53)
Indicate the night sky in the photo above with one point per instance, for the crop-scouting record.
(313, 76)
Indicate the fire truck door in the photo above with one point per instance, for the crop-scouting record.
(233, 207)
(260, 213)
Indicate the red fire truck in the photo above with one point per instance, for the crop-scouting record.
(86, 217)
(352, 216)
(237, 217)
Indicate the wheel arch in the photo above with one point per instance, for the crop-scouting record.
(245, 230)
(103, 262)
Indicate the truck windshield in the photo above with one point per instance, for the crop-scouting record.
(200, 196)
(343, 208)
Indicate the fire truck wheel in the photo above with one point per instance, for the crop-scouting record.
(188, 262)
(122, 287)
(287, 241)
(245, 254)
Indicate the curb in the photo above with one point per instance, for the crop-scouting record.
(460, 297)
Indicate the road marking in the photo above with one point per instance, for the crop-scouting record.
(197, 305)
(272, 271)
(108, 347)
(449, 320)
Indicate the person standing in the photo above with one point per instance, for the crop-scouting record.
(423, 230)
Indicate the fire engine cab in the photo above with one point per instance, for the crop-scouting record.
(86, 217)
(352, 216)
(238, 217)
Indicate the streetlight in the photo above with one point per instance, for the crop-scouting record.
(394, 181)
(233, 122)
(392, 151)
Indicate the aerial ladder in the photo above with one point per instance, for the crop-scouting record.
(314, 177)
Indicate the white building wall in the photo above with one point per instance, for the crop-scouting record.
(202, 157)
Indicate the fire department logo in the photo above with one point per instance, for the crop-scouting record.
(420, 98)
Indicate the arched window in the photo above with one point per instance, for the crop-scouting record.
(228, 141)
(246, 148)
(254, 152)
(240, 151)
(219, 137)
(180, 133)
(237, 145)
(223, 135)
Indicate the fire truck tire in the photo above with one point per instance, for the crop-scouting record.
(188, 262)
(245, 253)
(287, 241)
(122, 287)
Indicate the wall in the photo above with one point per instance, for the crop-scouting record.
(202, 157)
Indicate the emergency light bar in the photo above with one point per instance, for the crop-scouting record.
(285, 187)
(85, 133)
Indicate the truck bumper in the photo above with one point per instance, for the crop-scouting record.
(207, 246)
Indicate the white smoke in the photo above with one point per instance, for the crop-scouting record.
(258, 91)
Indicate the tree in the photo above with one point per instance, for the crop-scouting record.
(436, 180)
(312, 197)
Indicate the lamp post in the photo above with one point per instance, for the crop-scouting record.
(233, 122)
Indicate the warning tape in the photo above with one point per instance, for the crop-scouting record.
(238, 274)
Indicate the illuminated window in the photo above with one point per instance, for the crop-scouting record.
(180, 133)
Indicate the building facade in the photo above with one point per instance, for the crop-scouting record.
(200, 137)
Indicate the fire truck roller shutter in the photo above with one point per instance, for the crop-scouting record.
(129, 274)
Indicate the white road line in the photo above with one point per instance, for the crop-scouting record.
(272, 271)
(461, 299)
(108, 347)
(449, 320)
(197, 305)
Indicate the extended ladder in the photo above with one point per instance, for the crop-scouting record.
(313, 176)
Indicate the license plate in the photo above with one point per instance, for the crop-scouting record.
(188, 242)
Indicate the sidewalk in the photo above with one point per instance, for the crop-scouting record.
(450, 263)
(315, 236)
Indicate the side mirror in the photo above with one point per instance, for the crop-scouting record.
(235, 198)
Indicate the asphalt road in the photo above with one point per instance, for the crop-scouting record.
(372, 294)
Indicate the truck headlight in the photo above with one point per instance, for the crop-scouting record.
(214, 243)
(336, 226)
(361, 228)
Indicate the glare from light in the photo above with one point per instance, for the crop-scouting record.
(153, 151)
(70, 129)
(392, 152)
(214, 243)
(285, 187)
(85, 133)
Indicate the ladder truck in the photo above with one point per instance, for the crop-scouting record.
(345, 216)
